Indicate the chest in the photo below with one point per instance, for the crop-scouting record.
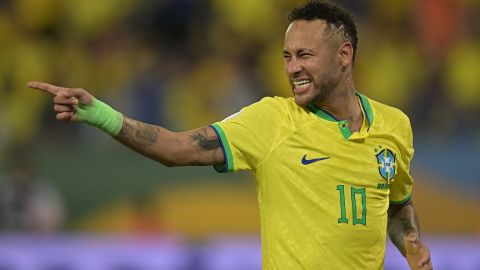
(326, 157)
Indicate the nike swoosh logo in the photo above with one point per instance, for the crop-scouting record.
(306, 161)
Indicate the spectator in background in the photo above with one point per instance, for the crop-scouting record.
(27, 203)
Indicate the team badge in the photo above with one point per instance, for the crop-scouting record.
(386, 164)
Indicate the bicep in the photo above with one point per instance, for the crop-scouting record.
(201, 147)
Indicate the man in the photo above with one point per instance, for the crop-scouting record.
(331, 164)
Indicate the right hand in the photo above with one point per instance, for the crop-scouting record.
(65, 99)
(417, 253)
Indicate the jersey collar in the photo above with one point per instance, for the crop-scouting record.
(367, 109)
(343, 124)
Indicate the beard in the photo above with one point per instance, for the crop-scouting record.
(327, 85)
(321, 91)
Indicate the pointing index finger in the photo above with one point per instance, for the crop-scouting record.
(52, 89)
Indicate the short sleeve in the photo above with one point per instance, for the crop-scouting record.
(401, 187)
(247, 136)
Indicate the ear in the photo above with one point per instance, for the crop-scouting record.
(345, 53)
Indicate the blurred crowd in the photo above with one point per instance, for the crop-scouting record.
(188, 63)
(27, 202)
(184, 63)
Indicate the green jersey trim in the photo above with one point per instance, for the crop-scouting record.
(227, 153)
(367, 108)
(343, 124)
(409, 196)
(344, 129)
(321, 113)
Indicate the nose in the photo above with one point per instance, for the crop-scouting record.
(293, 66)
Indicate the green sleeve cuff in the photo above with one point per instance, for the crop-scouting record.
(227, 153)
(409, 196)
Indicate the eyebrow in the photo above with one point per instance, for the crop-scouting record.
(299, 51)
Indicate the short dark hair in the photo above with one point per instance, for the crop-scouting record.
(333, 14)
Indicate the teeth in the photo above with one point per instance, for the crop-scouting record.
(300, 83)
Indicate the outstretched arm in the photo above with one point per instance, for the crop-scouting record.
(195, 147)
(404, 231)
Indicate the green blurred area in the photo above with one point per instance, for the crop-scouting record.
(89, 177)
(184, 64)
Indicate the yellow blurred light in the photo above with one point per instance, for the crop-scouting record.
(462, 77)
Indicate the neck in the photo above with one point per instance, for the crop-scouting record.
(342, 103)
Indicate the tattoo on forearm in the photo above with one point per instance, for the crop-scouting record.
(207, 143)
(139, 135)
(400, 223)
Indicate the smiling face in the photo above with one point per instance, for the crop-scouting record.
(313, 60)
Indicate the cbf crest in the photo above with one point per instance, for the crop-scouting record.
(386, 164)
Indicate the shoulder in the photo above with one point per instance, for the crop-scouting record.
(288, 110)
(389, 115)
(273, 105)
(272, 111)
(277, 101)
(266, 109)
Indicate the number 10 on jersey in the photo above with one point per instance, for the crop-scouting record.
(354, 194)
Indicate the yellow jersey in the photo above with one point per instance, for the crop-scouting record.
(323, 191)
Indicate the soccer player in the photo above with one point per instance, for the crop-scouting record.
(332, 165)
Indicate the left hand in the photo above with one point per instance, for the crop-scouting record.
(417, 253)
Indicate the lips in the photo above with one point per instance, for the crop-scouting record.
(300, 85)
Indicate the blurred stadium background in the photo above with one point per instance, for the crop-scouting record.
(72, 198)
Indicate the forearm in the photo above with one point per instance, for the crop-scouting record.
(196, 147)
(402, 220)
(144, 139)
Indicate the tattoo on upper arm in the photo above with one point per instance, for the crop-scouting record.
(140, 135)
(210, 152)
(205, 142)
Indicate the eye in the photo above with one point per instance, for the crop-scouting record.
(287, 58)
(305, 55)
